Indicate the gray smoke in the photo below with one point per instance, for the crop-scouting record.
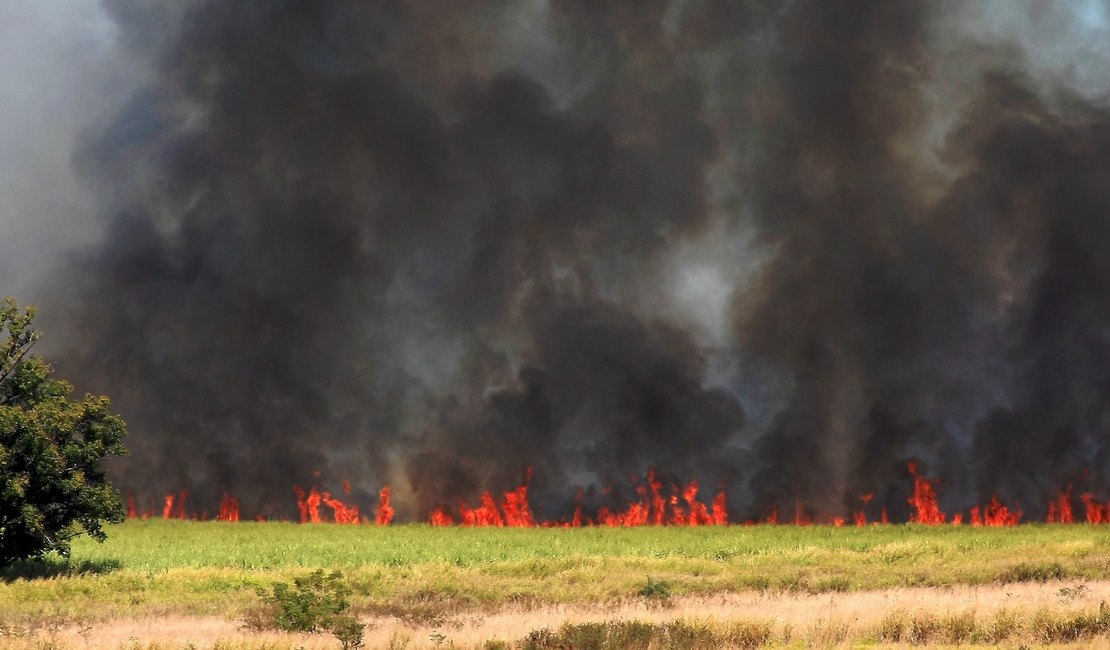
(783, 246)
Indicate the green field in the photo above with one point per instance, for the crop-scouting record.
(177, 567)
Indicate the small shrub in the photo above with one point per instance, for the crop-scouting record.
(689, 635)
(312, 603)
(1053, 627)
(958, 628)
(1033, 573)
(582, 636)
(792, 583)
(541, 639)
(1004, 625)
(634, 635)
(399, 640)
(307, 604)
(749, 634)
(655, 589)
(824, 634)
(893, 628)
(922, 628)
(837, 584)
(347, 630)
(757, 583)
(495, 644)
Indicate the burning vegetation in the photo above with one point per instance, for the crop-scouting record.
(655, 507)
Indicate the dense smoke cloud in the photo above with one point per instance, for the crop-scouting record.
(787, 247)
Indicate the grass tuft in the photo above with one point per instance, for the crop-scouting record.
(655, 589)
(1028, 572)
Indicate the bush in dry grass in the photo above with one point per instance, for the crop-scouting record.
(959, 628)
(1004, 625)
(655, 589)
(1066, 628)
(315, 602)
(749, 634)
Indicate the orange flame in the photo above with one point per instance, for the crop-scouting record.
(384, 514)
(1059, 509)
(229, 509)
(924, 500)
(180, 508)
(800, 516)
(1096, 512)
(996, 514)
(680, 507)
(860, 516)
(720, 508)
(341, 512)
(439, 517)
(485, 515)
(309, 505)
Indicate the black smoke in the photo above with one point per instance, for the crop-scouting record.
(433, 243)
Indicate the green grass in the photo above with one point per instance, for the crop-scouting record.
(152, 567)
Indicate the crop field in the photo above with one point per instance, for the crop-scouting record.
(423, 586)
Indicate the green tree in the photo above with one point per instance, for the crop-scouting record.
(52, 485)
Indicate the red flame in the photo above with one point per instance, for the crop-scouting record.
(182, 496)
(384, 514)
(1059, 509)
(576, 520)
(175, 505)
(996, 514)
(860, 516)
(486, 514)
(308, 505)
(924, 500)
(1096, 512)
(439, 517)
(229, 509)
(720, 508)
(341, 512)
(800, 516)
(680, 507)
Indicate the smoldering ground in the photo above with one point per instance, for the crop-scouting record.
(784, 246)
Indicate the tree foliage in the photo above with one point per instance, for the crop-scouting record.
(52, 484)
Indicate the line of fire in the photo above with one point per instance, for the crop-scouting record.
(655, 506)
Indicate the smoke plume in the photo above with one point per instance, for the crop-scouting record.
(786, 247)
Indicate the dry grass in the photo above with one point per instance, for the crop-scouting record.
(1038, 614)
